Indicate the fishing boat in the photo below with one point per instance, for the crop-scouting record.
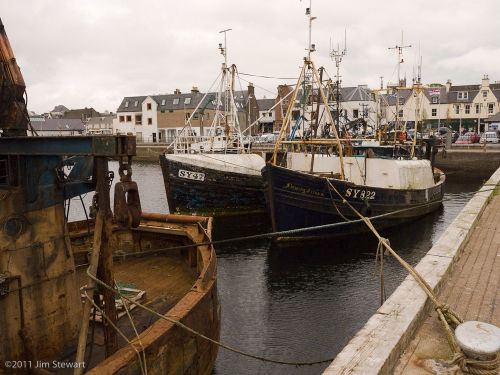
(327, 179)
(214, 174)
(54, 315)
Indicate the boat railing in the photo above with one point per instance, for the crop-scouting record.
(199, 144)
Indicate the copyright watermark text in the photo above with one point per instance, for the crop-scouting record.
(42, 364)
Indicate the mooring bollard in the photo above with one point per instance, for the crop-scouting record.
(478, 340)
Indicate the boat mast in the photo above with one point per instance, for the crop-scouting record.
(337, 55)
(308, 66)
(400, 60)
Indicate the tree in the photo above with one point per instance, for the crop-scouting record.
(436, 85)
(447, 122)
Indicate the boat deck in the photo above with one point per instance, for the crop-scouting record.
(166, 279)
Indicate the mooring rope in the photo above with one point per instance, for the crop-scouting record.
(448, 317)
(295, 231)
(179, 324)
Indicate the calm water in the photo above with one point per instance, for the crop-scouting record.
(298, 303)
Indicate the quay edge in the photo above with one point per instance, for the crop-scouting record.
(376, 348)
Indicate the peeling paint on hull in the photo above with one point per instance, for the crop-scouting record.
(220, 193)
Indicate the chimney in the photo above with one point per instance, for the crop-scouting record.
(177, 91)
(448, 85)
(195, 90)
(486, 81)
(251, 89)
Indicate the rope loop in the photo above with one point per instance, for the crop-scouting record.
(474, 366)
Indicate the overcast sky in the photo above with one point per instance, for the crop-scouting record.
(92, 53)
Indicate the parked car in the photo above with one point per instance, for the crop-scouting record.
(439, 140)
(464, 140)
(473, 135)
(489, 137)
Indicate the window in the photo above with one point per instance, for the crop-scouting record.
(138, 119)
(122, 118)
(463, 95)
(129, 118)
(485, 94)
(355, 113)
(490, 107)
(188, 115)
(434, 100)
(126, 104)
(208, 115)
(176, 101)
(467, 109)
(477, 108)
(196, 115)
(401, 113)
(149, 106)
(163, 102)
(457, 109)
(434, 112)
(187, 101)
(170, 111)
(136, 102)
(150, 121)
(401, 101)
(162, 111)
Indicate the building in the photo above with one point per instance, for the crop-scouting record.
(58, 127)
(459, 107)
(267, 117)
(158, 118)
(82, 114)
(57, 112)
(99, 125)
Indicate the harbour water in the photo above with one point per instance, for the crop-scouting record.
(301, 303)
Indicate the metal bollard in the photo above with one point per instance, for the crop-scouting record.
(478, 340)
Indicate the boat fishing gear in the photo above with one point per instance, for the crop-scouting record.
(127, 203)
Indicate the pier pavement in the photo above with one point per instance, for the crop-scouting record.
(389, 343)
(472, 291)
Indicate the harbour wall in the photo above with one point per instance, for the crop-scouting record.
(376, 348)
(471, 161)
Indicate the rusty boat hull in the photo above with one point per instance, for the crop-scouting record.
(300, 200)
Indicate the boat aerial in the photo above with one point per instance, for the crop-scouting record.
(326, 177)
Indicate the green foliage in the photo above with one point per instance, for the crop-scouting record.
(436, 85)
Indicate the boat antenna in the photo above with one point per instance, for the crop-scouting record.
(400, 60)
(223, 50)
(311, 47)
(337, 56)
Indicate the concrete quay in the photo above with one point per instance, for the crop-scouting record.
(470, 245)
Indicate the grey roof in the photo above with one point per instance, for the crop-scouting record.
(497, 94)
(195, 97)
(131, 104)
(60, 108)
(100, 120)
(495, 118)
(54, 124)
(405, 94)
(265, 104)
(359, 93)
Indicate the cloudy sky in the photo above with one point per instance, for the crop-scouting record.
(92, 53)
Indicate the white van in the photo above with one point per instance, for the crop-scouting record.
(490, 137)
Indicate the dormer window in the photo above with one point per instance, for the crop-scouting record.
(187, 101)
(434, 100)
(126, 104)
(176, 101)
(163, 102)
(401, 101)
(136, 102)
(463, 95)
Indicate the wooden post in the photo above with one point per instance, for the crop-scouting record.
(105, 269)
(94, 262)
